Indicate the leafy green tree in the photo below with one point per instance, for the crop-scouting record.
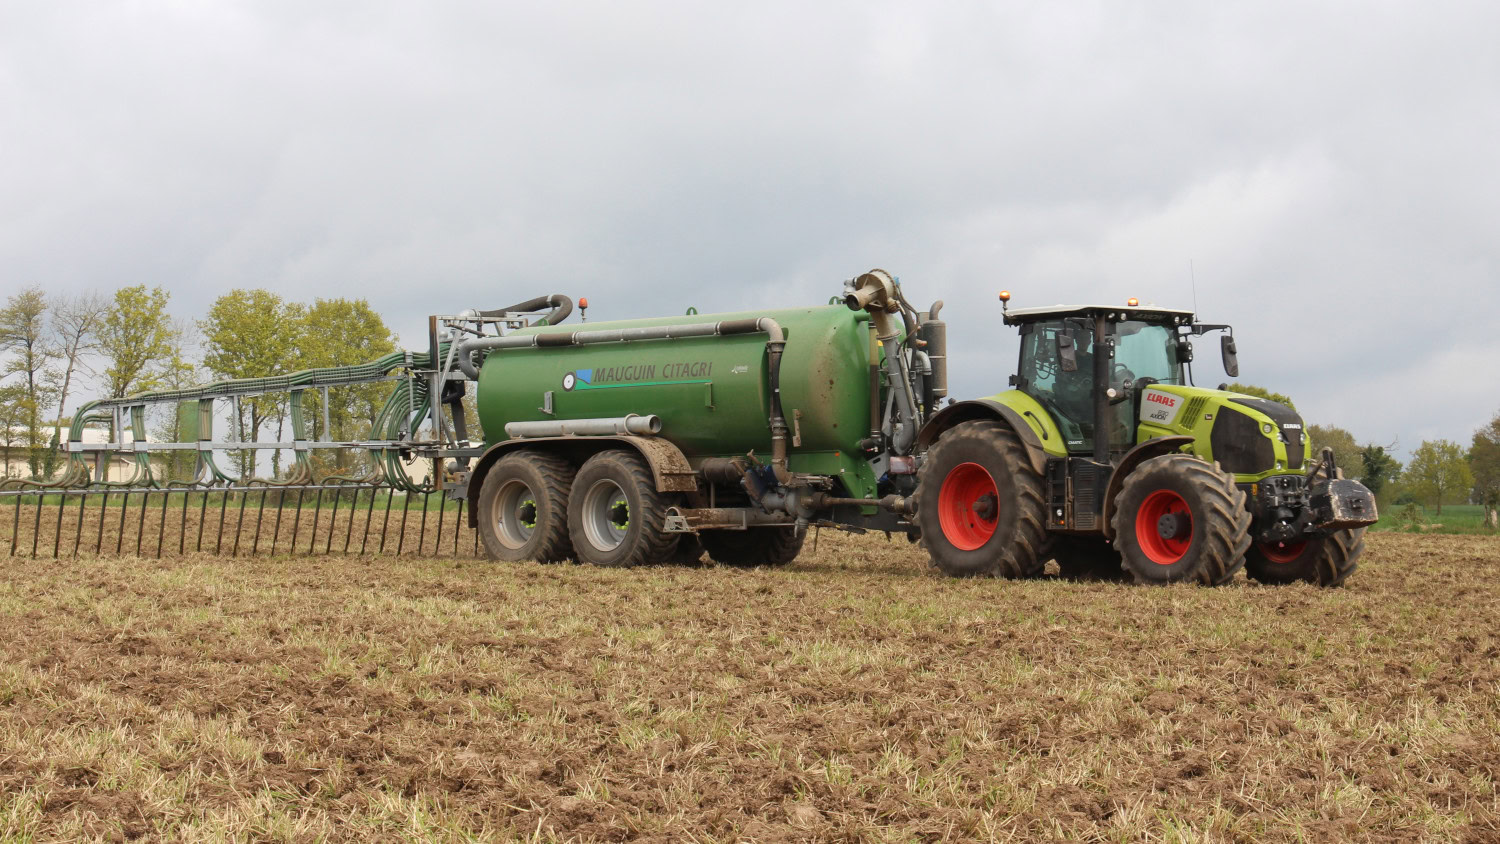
(1484, 462)
(340, 332)
(23, 333)
(137, 339)
(1346, 452)
(1439, 469)
(254, 334)
(1261, 392)
(1381, 469)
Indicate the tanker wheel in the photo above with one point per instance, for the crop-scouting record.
(523, 508)
(615, 515)
(1087, 558)
(980, 504)
(1319, 560)
(757, 546)
(1178, 518)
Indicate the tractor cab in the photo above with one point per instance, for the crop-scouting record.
(1089, 365)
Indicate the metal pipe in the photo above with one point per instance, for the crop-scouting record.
(935, 333)
(583, 338)
(644, 426)
(727, 518)
(875, 292)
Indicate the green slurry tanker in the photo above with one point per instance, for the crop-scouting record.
(622, 443)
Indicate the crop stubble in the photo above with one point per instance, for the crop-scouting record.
(854, 694)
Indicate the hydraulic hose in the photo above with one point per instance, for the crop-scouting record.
(561, 306)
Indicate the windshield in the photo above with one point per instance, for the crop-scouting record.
(1142, 350)
(1147, 351)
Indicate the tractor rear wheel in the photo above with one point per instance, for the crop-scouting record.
(1177, 518)
(1087, 558)
(980, 503)
(523, 508)
(615, 515)
(757, 546)
(1319, 560)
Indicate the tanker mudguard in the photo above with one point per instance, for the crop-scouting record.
(669, 467)
(967, 411)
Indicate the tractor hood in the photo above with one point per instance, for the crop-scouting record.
(1248, 436)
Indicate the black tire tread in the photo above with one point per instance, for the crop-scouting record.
(1023, 556)
(655, 545)
(1340, 557)
(557, 482)
(1227, 537)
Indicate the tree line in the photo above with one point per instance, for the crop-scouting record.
(129, 343)
(1439, 472)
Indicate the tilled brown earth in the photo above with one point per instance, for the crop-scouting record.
(855, 694)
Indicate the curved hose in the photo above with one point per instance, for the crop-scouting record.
(561, 306)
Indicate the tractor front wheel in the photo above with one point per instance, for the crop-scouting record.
(980, 504)
(1178, 519)
(1319, 560)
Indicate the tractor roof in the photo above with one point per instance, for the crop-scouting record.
(1143, 313)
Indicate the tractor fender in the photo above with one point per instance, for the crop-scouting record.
(1155, 447)
(669, 466)
(967, 411)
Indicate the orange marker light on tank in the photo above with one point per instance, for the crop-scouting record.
(1005, 295)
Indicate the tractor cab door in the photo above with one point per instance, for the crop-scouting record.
(1066, 394)
(1069, 394)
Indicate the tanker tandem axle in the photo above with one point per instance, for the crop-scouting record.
(654, 440)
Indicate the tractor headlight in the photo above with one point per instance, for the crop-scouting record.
(1266, 427)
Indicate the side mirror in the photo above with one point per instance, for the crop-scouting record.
(1066, 354)
(1231, 360)
(1184, 350)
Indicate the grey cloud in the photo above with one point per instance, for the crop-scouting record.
(1327, 168)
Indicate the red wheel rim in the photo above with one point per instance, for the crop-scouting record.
(968, 506)
(1159, 549)
(1286, 553)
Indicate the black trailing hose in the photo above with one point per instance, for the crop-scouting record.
(561, 306)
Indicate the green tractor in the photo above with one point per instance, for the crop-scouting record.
(1105, 457)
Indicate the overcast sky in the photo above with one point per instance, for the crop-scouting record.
(1329, 171)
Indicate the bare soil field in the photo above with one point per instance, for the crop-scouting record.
(854, 695)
